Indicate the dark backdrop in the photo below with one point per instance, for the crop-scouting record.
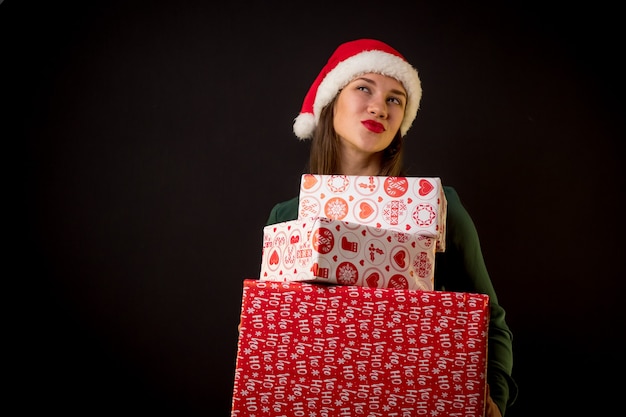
(145, 143)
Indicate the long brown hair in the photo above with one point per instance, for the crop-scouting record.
(324, 154)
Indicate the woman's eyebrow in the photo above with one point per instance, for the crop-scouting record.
(370, 81)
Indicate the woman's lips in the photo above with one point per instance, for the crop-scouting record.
(373, 126)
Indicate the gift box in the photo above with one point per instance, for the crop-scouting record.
(406, 204)
(317, 350)
(331, 251)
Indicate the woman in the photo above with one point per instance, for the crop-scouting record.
(357, 112)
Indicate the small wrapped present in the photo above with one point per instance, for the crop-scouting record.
(338, 252)
(407, 204)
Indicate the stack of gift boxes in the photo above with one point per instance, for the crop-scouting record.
(344, 319)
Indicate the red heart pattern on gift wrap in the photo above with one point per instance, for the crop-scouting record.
(399, 258)
(372, 280)
(425, 187)
(365, 210)
(309, 181)
(274, 258)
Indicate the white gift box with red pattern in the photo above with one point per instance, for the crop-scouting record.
(406, 204)
(316, 350)
(337, 252)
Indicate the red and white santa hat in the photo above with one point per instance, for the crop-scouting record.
(350, 60)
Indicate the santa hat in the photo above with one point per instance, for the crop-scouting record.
(350, 60)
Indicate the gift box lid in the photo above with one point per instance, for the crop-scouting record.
(407, 204)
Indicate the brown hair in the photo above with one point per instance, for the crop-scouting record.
(324, 155)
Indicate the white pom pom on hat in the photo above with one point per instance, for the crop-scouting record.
(350, 60)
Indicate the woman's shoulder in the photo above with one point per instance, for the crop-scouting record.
(452, 199)
(450, 193)
(459, 222)
(284, 211)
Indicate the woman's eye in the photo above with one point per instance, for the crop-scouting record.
(363, 88)
(395, 100)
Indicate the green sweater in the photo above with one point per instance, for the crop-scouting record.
(461, 268)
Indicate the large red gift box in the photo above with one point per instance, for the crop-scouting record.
(336, 252)
(317, 350)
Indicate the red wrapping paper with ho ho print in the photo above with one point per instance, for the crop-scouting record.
(316, 350)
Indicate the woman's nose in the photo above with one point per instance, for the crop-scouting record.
(378, 108)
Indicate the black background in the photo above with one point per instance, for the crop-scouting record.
(145, 143)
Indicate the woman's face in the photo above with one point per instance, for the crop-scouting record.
(368, 113)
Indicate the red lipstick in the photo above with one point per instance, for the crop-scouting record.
(373, 126)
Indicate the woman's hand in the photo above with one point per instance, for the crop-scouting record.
(491, 409)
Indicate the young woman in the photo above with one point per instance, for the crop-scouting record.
(357, 112)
